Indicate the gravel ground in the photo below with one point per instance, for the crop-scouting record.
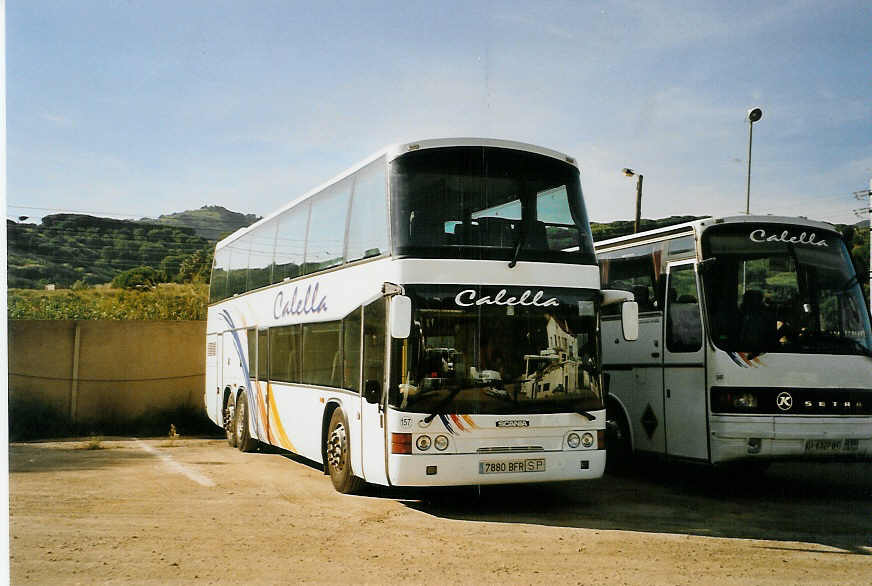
(161, 511)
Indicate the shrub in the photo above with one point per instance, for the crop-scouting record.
(138, 278)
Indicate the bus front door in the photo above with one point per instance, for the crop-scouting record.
(372, 415)
(684, 366)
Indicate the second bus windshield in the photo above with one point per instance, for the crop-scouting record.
(766, 293)
(477, 350)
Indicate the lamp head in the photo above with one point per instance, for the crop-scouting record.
(628, 172)
(754, 115)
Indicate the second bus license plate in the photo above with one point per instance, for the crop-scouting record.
(506, 466)
(831, 445)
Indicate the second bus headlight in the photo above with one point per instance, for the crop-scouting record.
(441, 443)
(587, 440)
(745, 401)
(423, 443)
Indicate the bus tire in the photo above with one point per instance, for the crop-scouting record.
(230, 422)
(338, 461)
(244, 441)
(619, 448)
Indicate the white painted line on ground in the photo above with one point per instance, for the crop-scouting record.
(175, 466)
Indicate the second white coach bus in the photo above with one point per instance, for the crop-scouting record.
(754, 342)
(418, 321)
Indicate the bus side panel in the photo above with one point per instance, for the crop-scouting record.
(638, 382)
(212, 391)
(298, 415)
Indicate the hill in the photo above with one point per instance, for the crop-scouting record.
(604, 231)
(209, 222)
(68, 249)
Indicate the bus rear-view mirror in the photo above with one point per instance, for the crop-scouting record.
(372, 391)
(401, 316)
(630, 320)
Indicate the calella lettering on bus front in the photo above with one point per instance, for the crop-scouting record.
(759, 235)
(467, 298)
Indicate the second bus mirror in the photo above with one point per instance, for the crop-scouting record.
(401, 316)
(630, 320)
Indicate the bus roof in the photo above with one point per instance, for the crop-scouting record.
(702, 224)
(393, 151)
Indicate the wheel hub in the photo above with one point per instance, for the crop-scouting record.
(336, 448)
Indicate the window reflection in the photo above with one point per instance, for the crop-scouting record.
(498, 358)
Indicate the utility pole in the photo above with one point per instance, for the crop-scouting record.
(629, 173)
(868, 195)
(754, 115)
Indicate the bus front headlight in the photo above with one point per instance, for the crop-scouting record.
(423, 443)
(441, 443)
(587, 440)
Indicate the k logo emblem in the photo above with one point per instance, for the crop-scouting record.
(784, 401)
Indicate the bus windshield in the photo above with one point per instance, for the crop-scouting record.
(488, 203)
(783, 288)
(498, 350)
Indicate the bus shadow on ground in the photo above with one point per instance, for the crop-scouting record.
(826, 504)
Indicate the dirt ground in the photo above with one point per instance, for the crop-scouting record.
(164, 511)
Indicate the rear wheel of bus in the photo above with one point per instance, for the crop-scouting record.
(338, 459)
(229, 420)
(244, 441)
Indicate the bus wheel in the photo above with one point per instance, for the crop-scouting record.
(619, 450)
(230, 423)
(243, 438)
(338, 460)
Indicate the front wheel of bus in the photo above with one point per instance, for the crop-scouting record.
(245, 442)
(338, 458)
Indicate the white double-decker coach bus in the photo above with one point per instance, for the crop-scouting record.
(418, 321)
(754, 342)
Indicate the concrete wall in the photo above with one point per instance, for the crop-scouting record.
(107, 371)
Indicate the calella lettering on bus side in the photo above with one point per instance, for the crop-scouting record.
(759, 235)
(467, 298)
(298, 304)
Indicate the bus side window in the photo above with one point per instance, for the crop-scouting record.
(251, 334)
(368, 226)
(351, 350)
(634, 272)
(683, 323)
(374, 331)
(263, 355)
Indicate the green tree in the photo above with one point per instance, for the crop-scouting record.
(138, 278)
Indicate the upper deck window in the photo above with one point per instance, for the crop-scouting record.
(487, 203)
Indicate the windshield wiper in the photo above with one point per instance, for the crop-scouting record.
(834, 339)
(522, 236)
(587, 414)
(850, 283)
(444, 403)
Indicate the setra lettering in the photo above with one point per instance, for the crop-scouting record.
(759, 235)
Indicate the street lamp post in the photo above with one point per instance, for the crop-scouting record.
(629, 173)
(754, 115)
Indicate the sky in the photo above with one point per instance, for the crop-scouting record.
(140, 108)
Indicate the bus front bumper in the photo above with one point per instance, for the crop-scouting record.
(774, 438)
(501, 468)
